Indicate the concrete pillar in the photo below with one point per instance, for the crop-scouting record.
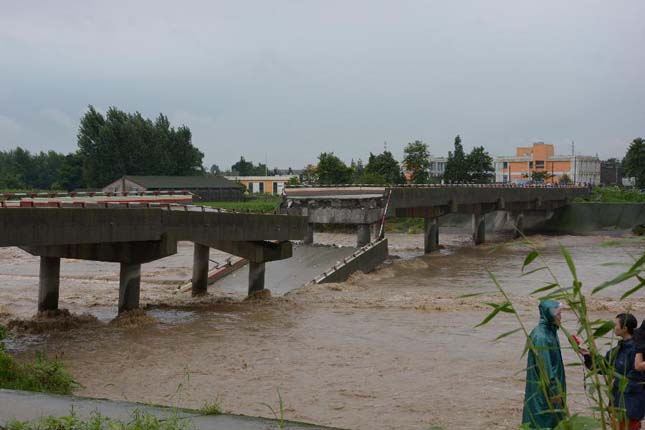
(479, 229)
(431, 235)
(129, 286)
(256, 277)
(519, 225)
(200, 269)
(362, 235)
(309, 238)
(48, 284)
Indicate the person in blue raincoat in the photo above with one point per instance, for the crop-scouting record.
(546, 387)
(628, 391)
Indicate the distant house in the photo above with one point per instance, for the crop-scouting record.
(205, 188)
(263, 184)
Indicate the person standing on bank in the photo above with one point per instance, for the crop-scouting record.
(629, 401)
(546, 388)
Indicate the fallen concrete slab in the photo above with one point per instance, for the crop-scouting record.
(28, 406)
(365, 260)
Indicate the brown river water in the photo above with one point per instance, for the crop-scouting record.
(393, 349)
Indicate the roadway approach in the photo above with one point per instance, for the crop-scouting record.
(132, 233)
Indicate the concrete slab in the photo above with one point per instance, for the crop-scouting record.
(27, 406)
(282, 276)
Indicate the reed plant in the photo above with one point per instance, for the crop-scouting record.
(599, 380)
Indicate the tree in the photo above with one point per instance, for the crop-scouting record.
(540, 176)
(70, 174)
(634, 162)
(457, 166)
(417, 161)
(384, 166)
(215, 170)
(128, 144)
(331, 170)
(480, 166)
(564, 179)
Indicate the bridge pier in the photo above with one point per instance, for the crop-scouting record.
(48, 284)
(479, 228)
(309, 234)
(431, 235)
(256, 276)
(519, 225)
(362, 235)
(200, 270)
(129, 286)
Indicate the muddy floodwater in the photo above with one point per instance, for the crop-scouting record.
(393, 349)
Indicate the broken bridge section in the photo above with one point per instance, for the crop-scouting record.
(132, 235)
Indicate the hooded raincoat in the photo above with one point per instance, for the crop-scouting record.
(545, 379)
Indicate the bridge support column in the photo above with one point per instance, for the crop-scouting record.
(256, 277)
(362, 235)
(519, 225)
(48, 284)
(309, 237)
(129, 286)
(200, 270)
(479, 228)
(431, 235)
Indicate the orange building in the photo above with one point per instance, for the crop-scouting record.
(541, 158)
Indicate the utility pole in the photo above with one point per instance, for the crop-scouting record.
(573, 153)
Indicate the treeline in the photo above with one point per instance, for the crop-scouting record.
(475, 167)
(109, 146)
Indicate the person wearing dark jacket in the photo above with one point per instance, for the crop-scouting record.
(546, 388)
(628, 390)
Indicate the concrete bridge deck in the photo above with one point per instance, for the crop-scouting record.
(364, 206)
(132, 234)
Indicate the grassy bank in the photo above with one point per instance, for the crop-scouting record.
(43, 375)
(138, 421)
(614, 195)
(254, 205)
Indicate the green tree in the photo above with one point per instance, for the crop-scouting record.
(331, 170)
(480, 166)
(634, 162)
(457, 166)
(386, 167)
(564, 179)
(540, 176)
(70, 174)
(128, 144)
(417, 161)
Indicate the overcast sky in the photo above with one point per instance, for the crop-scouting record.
(286, 80)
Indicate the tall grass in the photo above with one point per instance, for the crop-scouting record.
(614, 195)
(600, 378)
(43, 374)
(139, 420)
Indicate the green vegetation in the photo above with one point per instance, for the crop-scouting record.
(417, 161)
(267, 204)
(475, 167)
(634, 162)
(614, 195)
(639, 230)
(404, 225)
(212, 408)
(138, 421)
(599, 380)
(48, 376)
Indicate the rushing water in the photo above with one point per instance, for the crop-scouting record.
(393, 349)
